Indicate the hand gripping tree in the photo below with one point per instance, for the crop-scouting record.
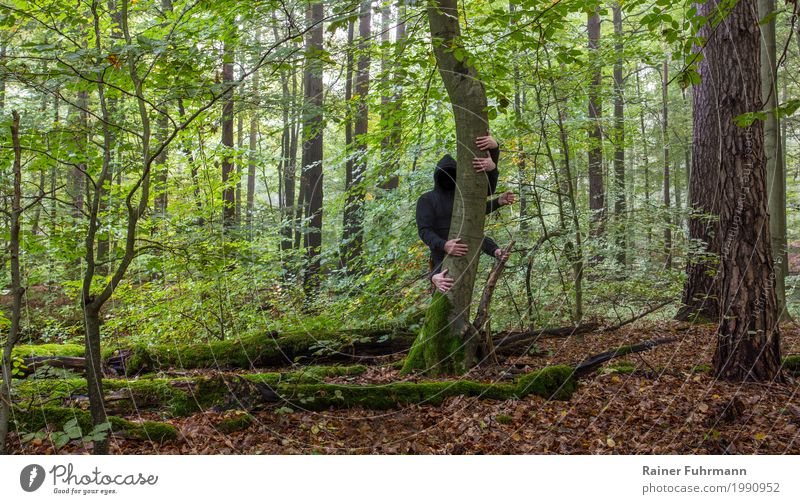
(448, 342)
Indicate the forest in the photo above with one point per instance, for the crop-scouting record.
(238, 228)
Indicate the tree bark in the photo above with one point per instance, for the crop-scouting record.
(748, 339)
(619, 139)
(250, 202)
(596, 190)
(773, 148)
(665, 139)
(448, 341)
(700, 299)
(312, 150)
(16, 284)
(229, 190)
(392, 105)
(353, 225)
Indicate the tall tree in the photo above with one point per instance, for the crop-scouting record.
(353, 235)
(250, 200)
(619, 137)
(16, 283)
(773, 148)
(748, 338)
(392, 104)
(596, 191)
(448, 343)
(701, 297)
(228, 190)
(312, 148)
(665, 140)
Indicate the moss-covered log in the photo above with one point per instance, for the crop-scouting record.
(175, 396)
(259, 351)
(184, 396)
(54, 418)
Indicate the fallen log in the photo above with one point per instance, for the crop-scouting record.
(592, 363)
(508, 339)
(31, 364)
(225, 391)
(260, 351)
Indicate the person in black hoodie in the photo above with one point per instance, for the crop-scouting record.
(435, 211)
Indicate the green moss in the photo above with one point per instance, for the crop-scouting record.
(48, 350)
(553, 382)
(701, 368)
(503, 419)
(436, 350)
(791, 363)
(623, 367)
(54, 417)
(238, 421)
(184, 396)
(244, 353)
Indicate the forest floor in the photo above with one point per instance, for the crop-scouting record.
(663, 401)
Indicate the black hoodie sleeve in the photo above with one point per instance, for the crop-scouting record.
(493, 205)
(493, 175)
(425, 222)
(488, 246)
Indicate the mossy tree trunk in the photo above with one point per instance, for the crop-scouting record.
(448, 342)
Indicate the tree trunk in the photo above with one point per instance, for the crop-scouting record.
(229, 190)
(353, 225)
(748, 339)
(596, 191)
(16, 285)
(239, 168)
(448, 342)
(252, 147)
(776, 171)
(94, 373)
(645, 162)
(392, 105)
(700, 299)
(619, 139)
(312, 150)
(665, 139)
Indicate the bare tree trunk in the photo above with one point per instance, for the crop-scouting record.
(596, 191)
(312, 151)
(665, 137)
(773, 148)
(701, 296)
(748, 338)
(448, 343)
(239, 167)
(253, 144)
(645, 161)
(228, 194)
(16, 285)
(393, 105)
(353, 235)
(619, 139)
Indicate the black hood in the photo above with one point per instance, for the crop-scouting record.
(444, 175)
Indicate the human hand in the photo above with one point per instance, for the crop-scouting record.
(483, 164)
(501, 255)
(507, 198)
(442, 283)
(455, 248)
(486, 142)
